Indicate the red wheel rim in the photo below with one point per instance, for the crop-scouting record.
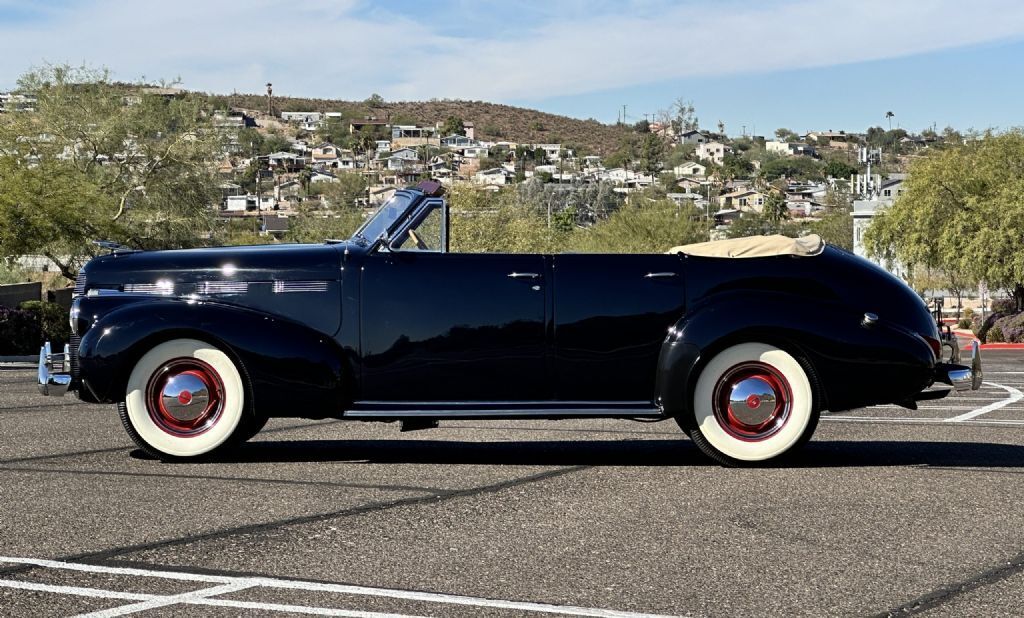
(185, 397)
(752, 401)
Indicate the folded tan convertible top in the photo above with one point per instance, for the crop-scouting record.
(755, 246)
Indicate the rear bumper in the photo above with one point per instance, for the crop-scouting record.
(962, 377)
(51, 381)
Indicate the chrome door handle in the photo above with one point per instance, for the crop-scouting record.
(523, 276)
(664, 275)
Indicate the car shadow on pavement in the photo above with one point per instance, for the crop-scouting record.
(633, 452)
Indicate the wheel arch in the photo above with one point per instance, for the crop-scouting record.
(289, 369)
(712, 327)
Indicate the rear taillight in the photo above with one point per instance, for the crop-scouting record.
(935, 345)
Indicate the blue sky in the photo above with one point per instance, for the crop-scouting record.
(802, 64)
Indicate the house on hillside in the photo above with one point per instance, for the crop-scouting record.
(322, 176)
(402, 158)
(891, 189)
(690, 168)
(287, 161)
(369, 123)
(695, 137)
(495, 176)
(790, 149)
(713, 151)
(273, 225)
(300, 117)
(744, 200)
(457, 141)
(325, 155)
(833, 139)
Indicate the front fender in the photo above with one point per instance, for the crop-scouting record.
(856, 365)
(291, 369)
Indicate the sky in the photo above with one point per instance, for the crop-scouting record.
(754, 65)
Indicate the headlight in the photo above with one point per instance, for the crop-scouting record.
(76, 310)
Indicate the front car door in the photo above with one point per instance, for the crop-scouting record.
(448, 327)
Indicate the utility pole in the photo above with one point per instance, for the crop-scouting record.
(623, 113)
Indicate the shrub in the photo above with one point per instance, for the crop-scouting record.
(965, 322)
(20, 332)
(994, 335)
(1004, 305)
(1011, 328)
(968, 313)
(52, 320)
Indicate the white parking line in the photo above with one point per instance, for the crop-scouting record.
(201, 597)
(1015, 396)
(164, 601)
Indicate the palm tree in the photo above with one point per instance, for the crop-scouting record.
(889, 116)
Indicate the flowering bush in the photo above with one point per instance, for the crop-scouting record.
(1010, 329)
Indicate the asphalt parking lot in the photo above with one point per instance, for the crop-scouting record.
(886, 511)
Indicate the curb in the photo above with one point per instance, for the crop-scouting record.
(988, 346)
(19, 359)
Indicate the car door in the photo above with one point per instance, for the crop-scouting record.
(439, 327)
(611, 316)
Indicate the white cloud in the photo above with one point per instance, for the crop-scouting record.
(338, 49)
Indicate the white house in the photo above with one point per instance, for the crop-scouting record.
(713, 151)
(301, 116)
(457, 141)
(690, 168)
(493, 176)
(402, 157)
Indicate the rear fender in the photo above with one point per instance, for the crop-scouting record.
(291, 369)
(856, 364)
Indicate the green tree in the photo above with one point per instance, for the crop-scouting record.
(651, 154)
(645, 226)
(961, 212)
(735, 166)
(786, 135)
(98, 160)
(774, 208)
(838, 169)
(835, 225)
(797, 168)
(453, 125)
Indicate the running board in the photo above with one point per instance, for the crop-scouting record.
(378, 410)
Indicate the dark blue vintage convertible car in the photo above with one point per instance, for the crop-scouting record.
(743, 343)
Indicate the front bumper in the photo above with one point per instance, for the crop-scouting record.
(962, 377)
(50, 382)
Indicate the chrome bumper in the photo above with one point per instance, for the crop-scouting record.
(50, 383)
(963, 377)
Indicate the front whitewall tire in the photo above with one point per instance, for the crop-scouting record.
(715, 434)
(168, 444)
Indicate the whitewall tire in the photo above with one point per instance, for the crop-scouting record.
(185, 398)
(752, 402)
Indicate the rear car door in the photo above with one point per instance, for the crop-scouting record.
(611, 316)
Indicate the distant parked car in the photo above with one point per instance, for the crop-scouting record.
(742, 342)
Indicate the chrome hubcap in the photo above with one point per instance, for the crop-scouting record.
(185, 397)
(752, 401)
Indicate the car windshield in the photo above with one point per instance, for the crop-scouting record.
(382, 220)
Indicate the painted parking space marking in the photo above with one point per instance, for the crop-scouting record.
(1014, 396)
(225, 584)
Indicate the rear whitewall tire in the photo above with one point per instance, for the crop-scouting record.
(143, 422)
(720, 440)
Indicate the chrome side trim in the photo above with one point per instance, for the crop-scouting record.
(222, 287)
(661, 275)
(286, 287)
(53, 384)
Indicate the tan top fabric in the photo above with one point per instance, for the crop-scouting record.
(755, 246)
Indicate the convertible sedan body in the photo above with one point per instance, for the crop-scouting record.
(743, 343)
